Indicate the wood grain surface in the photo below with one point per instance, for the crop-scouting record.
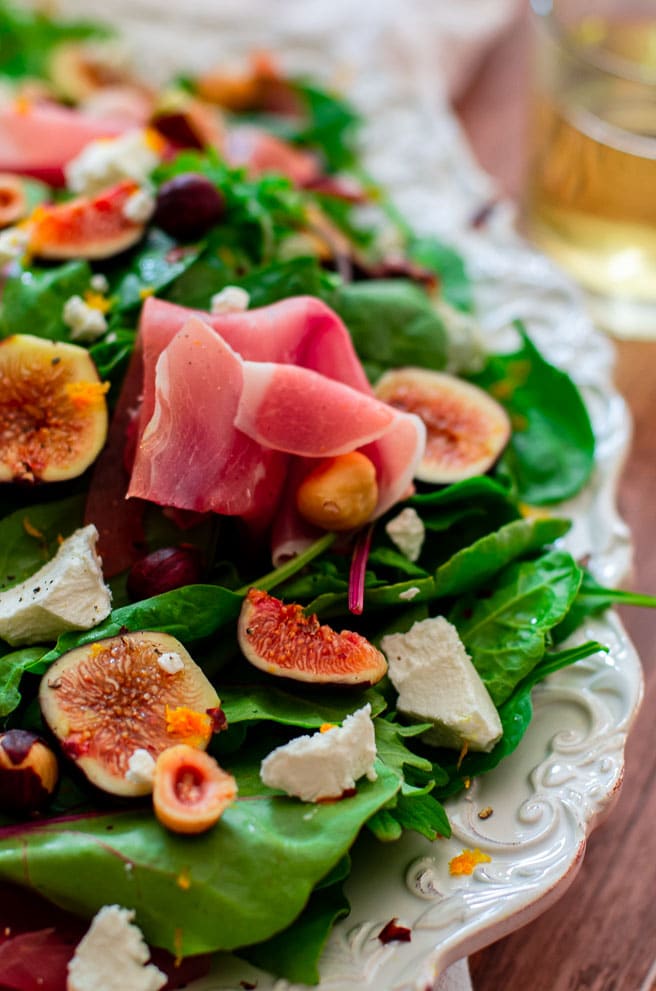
(601, 935)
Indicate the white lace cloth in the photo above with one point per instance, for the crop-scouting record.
(399, 61)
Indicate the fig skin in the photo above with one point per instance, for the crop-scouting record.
(340, 493)
(28, 772)
(91, 227)
(281, 640)
(467, 429)
(105, 700)
(191, 791)
(53, 412)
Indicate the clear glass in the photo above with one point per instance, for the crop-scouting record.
(591, 191)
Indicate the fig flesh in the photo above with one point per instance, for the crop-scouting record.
(191, 791)
(91, 227)
(281, 640)
(53, 413)
(466, 429)
(136, 692)
(13, 199)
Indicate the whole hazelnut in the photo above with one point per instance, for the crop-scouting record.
(28, 772)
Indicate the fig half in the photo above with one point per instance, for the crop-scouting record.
(136, 692)
(466, 429)
(53, 413)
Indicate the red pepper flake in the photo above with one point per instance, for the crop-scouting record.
(393, 932)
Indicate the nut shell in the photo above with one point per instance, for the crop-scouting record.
(28, 772)
(191, 791)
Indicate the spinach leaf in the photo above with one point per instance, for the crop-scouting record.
(151, 267)
(244, 880)
(475, 565)
(505, 632)
(551, 453)
(12, 668)
(309, 709)
(392, 323)
(281, 279)
(30, 537)
(593, 599)
(29, 37)
(455, 284)
(294, 954)
(33, 302)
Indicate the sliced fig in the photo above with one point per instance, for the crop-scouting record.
(340, 493)
(281, 640)
(90, 227)
(191, 791)
(466, 429)
(136, 692)
(13, 199)
(53, 412)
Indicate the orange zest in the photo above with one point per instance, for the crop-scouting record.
(83, 394)
(189, 726)
(466, 861)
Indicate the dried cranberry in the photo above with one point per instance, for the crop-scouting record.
(163, 570)
(188, 206)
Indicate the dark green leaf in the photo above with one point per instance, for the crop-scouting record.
(153, 266)
(455, 284)
(28, 37)
(33, 302)
(23, 552)
(12, 668)
(294, 708)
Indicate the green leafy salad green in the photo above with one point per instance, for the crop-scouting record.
(267, 880)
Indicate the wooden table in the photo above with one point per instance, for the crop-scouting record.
(601, 935)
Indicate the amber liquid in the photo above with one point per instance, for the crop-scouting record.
(592, 192)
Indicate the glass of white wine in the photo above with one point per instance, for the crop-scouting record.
(591, 191)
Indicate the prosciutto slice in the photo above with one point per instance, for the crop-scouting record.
(233, 423)
(39, 139)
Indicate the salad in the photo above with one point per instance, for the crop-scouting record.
(338, 571)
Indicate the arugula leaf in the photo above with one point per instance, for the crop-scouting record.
(265, 845)
(505, 632)
(392, 323)
(330, 125)
(551, 452)
(23, 552)
(33, 302)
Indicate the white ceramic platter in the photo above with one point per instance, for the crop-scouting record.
(564, 776)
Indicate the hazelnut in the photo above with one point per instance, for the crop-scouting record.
(28, 772)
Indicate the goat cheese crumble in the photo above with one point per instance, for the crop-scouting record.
(113, 956)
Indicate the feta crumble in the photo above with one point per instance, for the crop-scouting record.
(324, 765)
(437, 682)
(99, 283)
(139, 207)
(232, 299)
(67, 593)
(409, 594)
(141, 768)
(86, 322)
(407, 532)
(113, 956)
(170, 662)
(107, 161)
(13, 244)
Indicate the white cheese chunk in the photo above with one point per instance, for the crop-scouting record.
(86, 322)
(326, 764)
(13, 244)
(113, 956)
(67, 593)
(141, 768)
(139, 207)
(106, 161)
(408, 532)
(99, 283)
(232, 299)
(437, 682)
(170, 662)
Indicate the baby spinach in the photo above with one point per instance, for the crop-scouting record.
(151, 267)
(30, 537)
(505, 629)
(12, 668)
(33, 302)
(551, 452)
(237, 884)
(593, 599)
(448, 265)
(309, 709)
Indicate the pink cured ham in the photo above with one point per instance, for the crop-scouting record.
(198, 384)
(39, 139)
(298, 331)
(233, 423)
(262, 153)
